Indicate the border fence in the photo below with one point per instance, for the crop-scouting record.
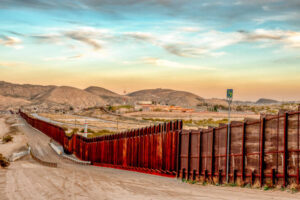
(264, 151)
(151, 149)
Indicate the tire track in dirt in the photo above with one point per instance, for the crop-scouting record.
(3, 184)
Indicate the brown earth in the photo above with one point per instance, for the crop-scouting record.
(71, 96)
(109, 96)
(25, 91)
(7, 102)
(19, 139)
(193, 115)
(168, 96)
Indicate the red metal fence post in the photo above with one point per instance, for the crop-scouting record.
(200, 160)
(285, 146)
(212, 154)
(298, 120)
(178, 153)
(243, 152)
(189, 155)
(262, 150)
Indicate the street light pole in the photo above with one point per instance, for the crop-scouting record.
(229, 100)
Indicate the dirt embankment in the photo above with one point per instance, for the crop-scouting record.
(19, 141)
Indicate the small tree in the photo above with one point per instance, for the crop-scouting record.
(215, 108)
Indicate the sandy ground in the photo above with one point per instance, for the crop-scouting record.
(26, 179)
(19, 139)
(193, 115)
(3, 127)
(115, 124)
(105, 122)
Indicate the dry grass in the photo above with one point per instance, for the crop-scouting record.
(7, 138)
(3, 161)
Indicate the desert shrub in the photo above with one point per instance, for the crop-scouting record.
(3, 161)
(100, 133)
(90, 131)
(75, 130)
(115, 108)
(7, 138)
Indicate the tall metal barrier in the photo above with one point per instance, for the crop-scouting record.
(264, 151)
(261, 152)
(151, 149)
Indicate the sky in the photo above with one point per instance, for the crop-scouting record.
(201, 46)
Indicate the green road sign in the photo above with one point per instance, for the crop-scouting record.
(229, 93)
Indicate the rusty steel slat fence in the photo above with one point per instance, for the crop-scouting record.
(151, 149)
(264, 151)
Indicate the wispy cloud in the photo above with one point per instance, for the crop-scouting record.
(202, 44)
(276, 17)
(205, 43)
(289, 39)
(10, 41)
(191, 29)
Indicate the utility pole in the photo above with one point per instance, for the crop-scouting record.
(85, 128)
(117, 124)
(229, 100)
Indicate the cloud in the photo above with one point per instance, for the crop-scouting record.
(289, 39)
(10, 41)
(199, 44)
(89, 36)
(288, 16)
(171, 64)
(48, 38)
(185, 50)
(220, 12)
(85, 39)
(177, 43)
(190, 29)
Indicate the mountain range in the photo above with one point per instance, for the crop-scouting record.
(57, 97)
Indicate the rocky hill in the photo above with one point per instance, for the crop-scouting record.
(7, 102)
(109, 96)
(266, 101)
(71, 96)
(99, 91)
(167, 96)
(24, 91)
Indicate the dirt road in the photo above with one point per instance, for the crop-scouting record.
(26, 179)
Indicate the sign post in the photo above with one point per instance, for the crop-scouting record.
(85, 129)
(229, 100)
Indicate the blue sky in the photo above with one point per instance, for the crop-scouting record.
(200, 46)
